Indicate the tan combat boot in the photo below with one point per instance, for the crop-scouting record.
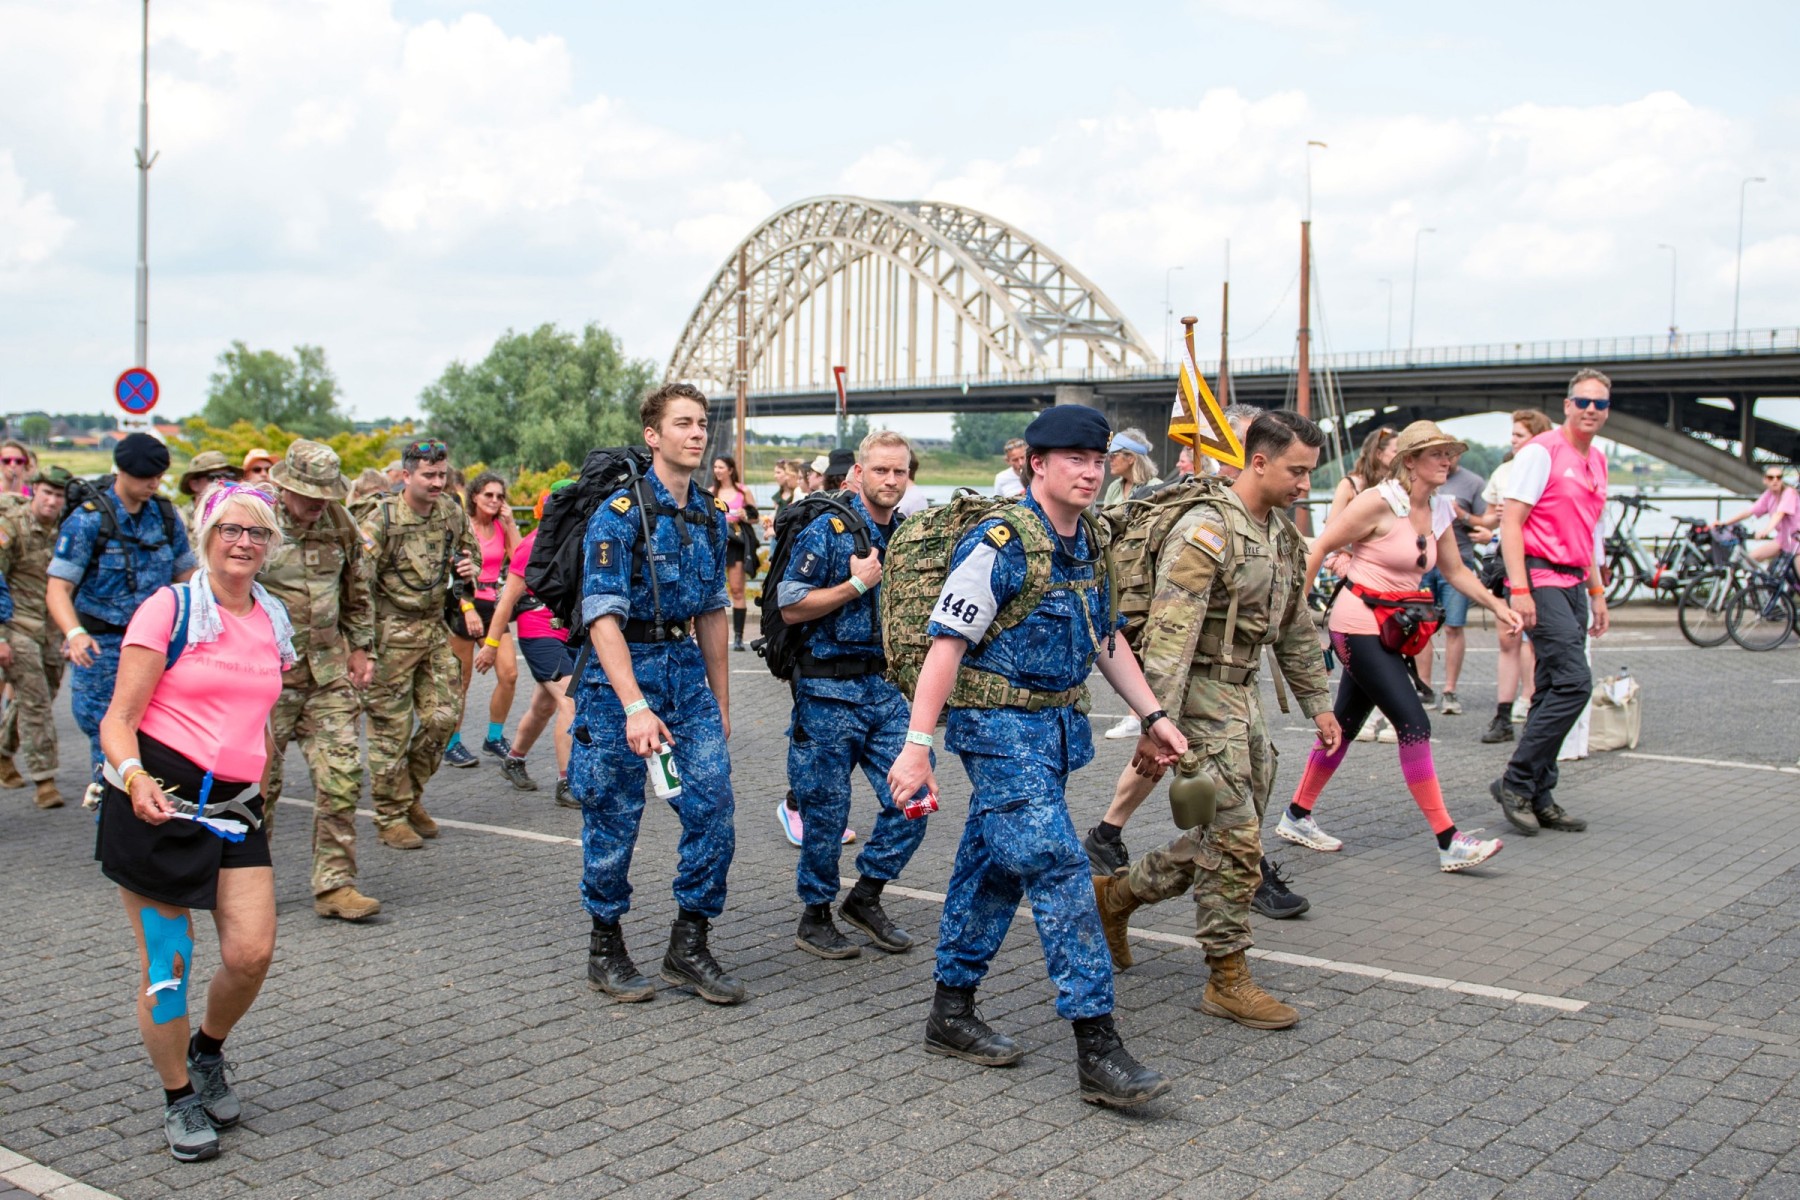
(400, 837)
(47, 795)
(1233, 995)
(1117, 902)
(420, 820)
(345, 902)
(9, 774)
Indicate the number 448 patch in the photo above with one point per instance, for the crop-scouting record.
(965, 611)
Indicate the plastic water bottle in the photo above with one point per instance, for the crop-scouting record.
(663, 775)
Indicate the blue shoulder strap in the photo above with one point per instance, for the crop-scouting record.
(178, 632)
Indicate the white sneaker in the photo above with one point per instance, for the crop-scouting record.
(1306, 832)
(1370, 728)
(1128, 727)
(1520, 709)
(1388, 734)
(1467, 850)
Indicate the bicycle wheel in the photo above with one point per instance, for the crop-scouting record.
(1760, 615)
(1701, 610)
(1623, 579)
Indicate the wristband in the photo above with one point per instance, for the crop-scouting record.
(124, 768)
(1152, 718)
(490, 643)
(1596, 591)
(467, 607)
(636, 706)
(920, 739)
(862, 589)
(1517, 591)
(78, 631)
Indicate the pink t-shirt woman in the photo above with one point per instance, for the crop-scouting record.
(536, 623)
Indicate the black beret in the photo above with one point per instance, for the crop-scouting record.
(141, 455)
(841, 462)
(1068, 427)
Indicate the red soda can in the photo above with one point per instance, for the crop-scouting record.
(922, 805)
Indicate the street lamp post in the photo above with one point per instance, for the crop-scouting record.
(1738, 282)
(1390, 310)
(145, 160)
(1412, 314)
(1168, 310)
(1674, 260)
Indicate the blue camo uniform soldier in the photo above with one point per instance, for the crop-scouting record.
(114, 552)
(1019, 743)
(846, 713)
(656, 683)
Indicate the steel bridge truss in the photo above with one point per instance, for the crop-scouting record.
(897, 291)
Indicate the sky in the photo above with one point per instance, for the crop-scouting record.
(402, 181)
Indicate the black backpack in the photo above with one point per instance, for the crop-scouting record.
(91, 494)
(555, 571)
(780, 644)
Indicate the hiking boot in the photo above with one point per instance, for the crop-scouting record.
(1306, 832)
(346, 903)
(1450, 706)
(610, 968)
(1273, 897)
(863, 910)
(1555, 818)
(457, 755)
(1109, 1075)
(498, 747)
(1116, 901)
(955, 1030)
(516, 774)
(1232, 994)
(1499, 730)
(421, 821)
(207, 1073)
(1466, 850)
(47, 795)
(817, 935)
(191, 1135)
(1105, 857)
(1517, 808)
(688, 963)
(564, 797)
(400, 837)
(9, 774)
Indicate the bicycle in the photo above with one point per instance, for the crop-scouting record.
(1629, 564)
(1761, 613)
(1701, 611)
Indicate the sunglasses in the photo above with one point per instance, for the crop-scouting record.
(1421, 552)
(231, 531)
(10, 461)
(1584, 402)
(431, 450)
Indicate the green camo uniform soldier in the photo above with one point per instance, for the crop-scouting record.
(318, 570)
(1231, 580)
(203, 470)
(30, 644)
(419, 542)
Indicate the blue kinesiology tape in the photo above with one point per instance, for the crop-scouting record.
(165, 940)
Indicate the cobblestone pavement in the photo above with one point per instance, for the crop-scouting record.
(454, 1049)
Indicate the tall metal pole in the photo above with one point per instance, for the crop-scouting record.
(1168, 312)
(1412, 314)
(1390, 311)
(743, 357)
(1738, 283)
(145, 160)
(1225, 333)
(1674, 260)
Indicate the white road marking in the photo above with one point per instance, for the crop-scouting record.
(1710, 762)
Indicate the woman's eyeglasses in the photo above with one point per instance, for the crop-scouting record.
(231, 531)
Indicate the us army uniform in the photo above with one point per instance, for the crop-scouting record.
(322, 576)
(29, 727)
(1019, 749)
(1202, 645)
(112, 577)
(414, 701)
(846, 714)
(687, 553)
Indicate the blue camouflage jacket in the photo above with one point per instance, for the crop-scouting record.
(687, 554)
(821, 558)
(147, 554)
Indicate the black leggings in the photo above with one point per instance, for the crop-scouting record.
(1376, 678)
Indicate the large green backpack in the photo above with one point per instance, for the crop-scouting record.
(1139, 529)
(913, 574)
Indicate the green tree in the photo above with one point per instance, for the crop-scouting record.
(35, 429)
(539, 398)
(266, 387)
(984, 435)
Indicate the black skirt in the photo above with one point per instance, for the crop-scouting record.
(177, 862)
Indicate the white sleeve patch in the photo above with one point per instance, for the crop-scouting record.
(966, 605)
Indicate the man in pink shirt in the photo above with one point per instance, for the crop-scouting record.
(1551, 542)
(1781, 504)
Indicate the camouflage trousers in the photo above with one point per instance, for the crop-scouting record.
(28, 730)
(415, 675)
(324, 719)
(1222, 862)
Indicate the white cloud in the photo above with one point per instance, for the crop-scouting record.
(31, 228)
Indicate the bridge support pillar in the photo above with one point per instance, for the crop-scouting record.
(1077, 393)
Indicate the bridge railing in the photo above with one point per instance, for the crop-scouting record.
(1641, 348)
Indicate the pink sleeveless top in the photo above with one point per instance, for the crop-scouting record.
(1389, 563)
(493, 558)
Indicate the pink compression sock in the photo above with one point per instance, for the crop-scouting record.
(1319, 768)
(1422, 782)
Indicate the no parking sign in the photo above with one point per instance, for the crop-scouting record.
(136, 390)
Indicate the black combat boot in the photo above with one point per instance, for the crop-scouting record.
(817, 935)
(956, 1030)
(689, 963)
(611, 970)
(862, 908)
(1108, 1073)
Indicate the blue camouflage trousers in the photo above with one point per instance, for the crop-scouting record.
(1019, 841)
(91, 691)
(609, 780)
(829, 739)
